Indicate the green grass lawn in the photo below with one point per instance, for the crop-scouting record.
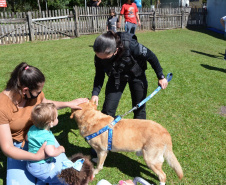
(190, 108)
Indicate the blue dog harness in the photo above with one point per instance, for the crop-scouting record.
(110, 126)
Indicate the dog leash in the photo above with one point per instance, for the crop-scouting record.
(110, 126)
(168, 78)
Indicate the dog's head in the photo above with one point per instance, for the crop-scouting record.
(75, 113)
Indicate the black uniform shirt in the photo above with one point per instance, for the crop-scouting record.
(138, 51)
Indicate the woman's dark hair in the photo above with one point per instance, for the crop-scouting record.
(74, 177)
(107, 43)
(25, 75)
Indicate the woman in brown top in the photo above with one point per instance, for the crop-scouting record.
(23, 91)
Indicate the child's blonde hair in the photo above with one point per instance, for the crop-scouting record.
(43, 114)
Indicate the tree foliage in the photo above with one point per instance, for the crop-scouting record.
(33, 5)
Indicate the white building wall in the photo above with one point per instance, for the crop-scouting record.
(185, 2)
(215, 10)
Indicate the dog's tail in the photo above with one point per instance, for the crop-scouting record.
(173, 162)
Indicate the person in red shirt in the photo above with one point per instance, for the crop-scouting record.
(130, 12)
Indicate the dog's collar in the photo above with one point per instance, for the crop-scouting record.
(108, 127)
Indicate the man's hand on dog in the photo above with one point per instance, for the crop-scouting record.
(95, 99)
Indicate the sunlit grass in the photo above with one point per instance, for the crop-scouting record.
(189, 108)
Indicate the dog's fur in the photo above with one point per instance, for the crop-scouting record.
(129, 135)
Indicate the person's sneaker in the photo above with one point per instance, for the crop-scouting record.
(94, 160)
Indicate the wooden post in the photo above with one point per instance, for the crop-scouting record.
(76, 21)
(30, 27)
(182, 19)
(204, 10)
(154, 19)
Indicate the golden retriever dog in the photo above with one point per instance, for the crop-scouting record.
(129, 135)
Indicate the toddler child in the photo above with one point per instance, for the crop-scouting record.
(112, 21)
(44, 117)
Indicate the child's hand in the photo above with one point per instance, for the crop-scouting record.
(52, 151)
(62, 149)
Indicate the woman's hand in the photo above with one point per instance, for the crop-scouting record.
(163, 83)
(74, 103)
(95, 100)
(71, 104)
(62, 149)
(40, 155)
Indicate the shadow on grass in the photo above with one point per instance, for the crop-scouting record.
(65, 126)
(213, 68)
(209, 55)
(223, 54)
(122, 162)
(128, 166)
(206, 31)
(3, 161)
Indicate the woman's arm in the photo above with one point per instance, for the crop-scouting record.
(98, 82)
(99, 76)
(72, 104)
(98, 3)
(141, 52)
(7, 147)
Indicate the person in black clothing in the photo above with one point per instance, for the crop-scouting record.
(124, 60)
(95, 3)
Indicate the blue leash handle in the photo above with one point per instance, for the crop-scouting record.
(168, 78)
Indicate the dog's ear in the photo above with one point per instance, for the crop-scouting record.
(72, 114)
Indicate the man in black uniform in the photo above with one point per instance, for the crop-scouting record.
(124, 60)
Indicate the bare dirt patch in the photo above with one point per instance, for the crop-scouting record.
(223, 111)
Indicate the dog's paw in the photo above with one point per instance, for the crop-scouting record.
(96, 171)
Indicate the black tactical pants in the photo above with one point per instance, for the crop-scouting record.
(138, 89)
